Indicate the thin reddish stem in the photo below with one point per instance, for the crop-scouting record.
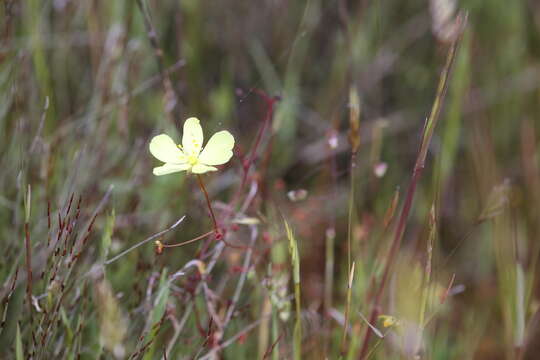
(427, 134)
(247, 163)
(270, 102)
(189, 241)
(203, 188)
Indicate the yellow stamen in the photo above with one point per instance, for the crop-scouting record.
(192, 160)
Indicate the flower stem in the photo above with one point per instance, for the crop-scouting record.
(203, 188)
(188, 241)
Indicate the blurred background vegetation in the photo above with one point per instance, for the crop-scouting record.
(84, 85)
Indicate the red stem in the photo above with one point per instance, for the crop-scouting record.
(188, 241)
(398, 236)
(427, 134)
(270, 102)
(203, 188)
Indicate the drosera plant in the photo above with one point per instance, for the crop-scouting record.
(82, 84)
(190, 156)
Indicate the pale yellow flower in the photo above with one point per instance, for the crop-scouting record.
(190, 156)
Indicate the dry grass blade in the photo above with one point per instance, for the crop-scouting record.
(427, 134)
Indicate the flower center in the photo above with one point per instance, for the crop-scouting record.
(192, 160)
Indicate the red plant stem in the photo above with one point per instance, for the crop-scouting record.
(189, 241)
(270, 102)
(247, 163)
(427, 134)
(391, 255)
(203, 188)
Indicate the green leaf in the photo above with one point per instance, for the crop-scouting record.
(66, 323)
(160, 305)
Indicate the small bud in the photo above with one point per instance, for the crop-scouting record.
(389, 321)
(159, 247)
(354, 119)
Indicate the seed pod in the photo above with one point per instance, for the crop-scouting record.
(354, 119)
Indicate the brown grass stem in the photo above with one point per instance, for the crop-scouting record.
(28, 267)
(347, 310)
(171, 99)
(427, 134)
(208, 203)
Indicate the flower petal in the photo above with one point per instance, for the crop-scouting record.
(218, 150)
(201, 169)
(170, 168)
(192, 138)
(164, 149)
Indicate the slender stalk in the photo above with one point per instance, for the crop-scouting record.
(208, 203)
(351, 210)
(245, 266)
(275, 337)
(28, 268)
(354, 141)
(427, 134)
(159, 234)
(328, 282)
(28, 246)
(426, 286)
(297, 334)
(330, 239)
(347, 310)
(188, 241)
(295, 261)
(212, 353)
(270, 104)
(171, 98)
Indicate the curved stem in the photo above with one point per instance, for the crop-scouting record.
(203, 188)
(188, 241)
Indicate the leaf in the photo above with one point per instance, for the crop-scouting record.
(162, 298)
(160, 304)
(65, 321)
